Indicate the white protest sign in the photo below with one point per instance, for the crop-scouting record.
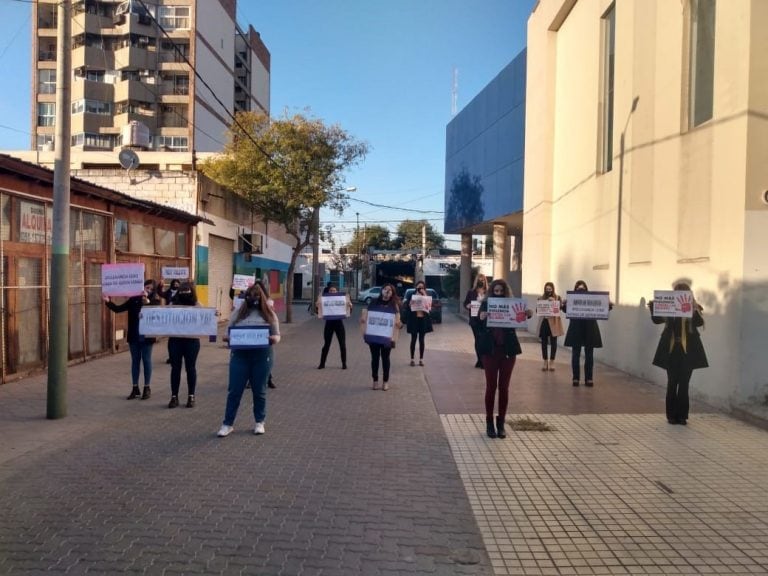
(547, 308)
(673, 303)
(421, 303)
(242, 281)
(583, 305)
(333, 306)
(474, 308)
(175, 272)
(247, 337)
(177, 321)
(379, 327)
(122, 279)
(506, 313)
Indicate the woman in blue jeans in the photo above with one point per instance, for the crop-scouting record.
(582, 334)
(252, 364)
(140, 346)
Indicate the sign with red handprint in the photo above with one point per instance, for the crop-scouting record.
(673, 303)
(507, 313)
(547, 308)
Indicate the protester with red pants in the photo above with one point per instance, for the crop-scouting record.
(498, 347)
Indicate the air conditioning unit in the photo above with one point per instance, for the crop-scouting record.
(136, 134)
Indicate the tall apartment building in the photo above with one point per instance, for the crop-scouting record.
(143, 71)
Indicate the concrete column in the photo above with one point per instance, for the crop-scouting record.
(516, 266)
(500, 251)
(465, 270)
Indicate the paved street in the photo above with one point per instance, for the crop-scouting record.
(353, 481)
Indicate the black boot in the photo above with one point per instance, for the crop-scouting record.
(323, 357)
(490, 428)
(135, 393)
(270, 383)
(147, 393)
(500, 427)
(343, 359)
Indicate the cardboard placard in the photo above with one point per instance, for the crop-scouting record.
(242, 281)
(547, 308)
(175, 272)
(178, 321)
(380, 326)
(248, 337)
(506, 313)
(586, 305)
(673, 303)
(333, 306)
(122, 279)
(420, 303)
(474, 308)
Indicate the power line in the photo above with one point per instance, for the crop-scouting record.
(397, 207)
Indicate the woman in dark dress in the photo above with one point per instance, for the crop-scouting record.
(418, 323)
(477, 294)
(679, 352)
(582, 334)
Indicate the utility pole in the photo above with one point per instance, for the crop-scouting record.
(58, 328)
(315, 257)
(359, 257)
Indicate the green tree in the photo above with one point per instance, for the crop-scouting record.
(408, 236)
(370, 236)
(288, 168)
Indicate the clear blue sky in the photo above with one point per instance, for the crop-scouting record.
(383, 70)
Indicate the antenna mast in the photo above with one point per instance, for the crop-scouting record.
(455, 92)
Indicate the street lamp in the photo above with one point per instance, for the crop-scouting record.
(316, 248)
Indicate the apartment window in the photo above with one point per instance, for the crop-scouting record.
(94, 141)
(609, 61)
(46, 113)
(172, 143)
(165, 242)
(181, 244)
(45, 142)
(173, 52)
(46, 81)
(90, 75)
(173, 17)
(702, 61)
(174, 116)
(141, 239)
(92, 107)
(5, 217)
(121, 235)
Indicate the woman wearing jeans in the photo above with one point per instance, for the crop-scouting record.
(140, 346)
(251, 365)
(389, 303)
(582, 334)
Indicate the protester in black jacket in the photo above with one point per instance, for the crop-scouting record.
(140, 346)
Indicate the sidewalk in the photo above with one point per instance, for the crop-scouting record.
(351, 481)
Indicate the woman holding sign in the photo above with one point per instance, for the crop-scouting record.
(472, 302)
(140, 346)
(184, 349)
(499, 347)
(680, 352)
(419, 323)
(333, 324)
(550, 327)
(253, 329)
(582, 333)
(380, 324)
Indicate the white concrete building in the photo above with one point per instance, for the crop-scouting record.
(645, 162)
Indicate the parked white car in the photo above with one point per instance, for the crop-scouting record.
(369, 295)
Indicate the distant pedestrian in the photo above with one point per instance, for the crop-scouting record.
(388, 303)
(140, 346)
(472, 302)
(418, 322)
(582, 333)
(550, 327)
(253, 364)
(334, 326)
(499, 348)
(679, 352)
(184, 349)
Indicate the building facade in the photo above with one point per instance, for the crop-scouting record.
(105, 227)
(162, 78)
(484, 169)
(160, 75)
(646, 142)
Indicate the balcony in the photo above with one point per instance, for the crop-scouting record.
(93, 55)
(133, 57)
(134, 90)
(90, 23)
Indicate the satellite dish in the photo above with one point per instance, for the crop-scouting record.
(128, 159)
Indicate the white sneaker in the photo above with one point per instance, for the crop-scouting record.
(224, 431)
(259, 429)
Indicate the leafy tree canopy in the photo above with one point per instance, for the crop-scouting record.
(372, 235)
(408, 236)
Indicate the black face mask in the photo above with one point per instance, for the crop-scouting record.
(251, 302)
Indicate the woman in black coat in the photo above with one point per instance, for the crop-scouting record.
(499, 348)
(679, 352)
(477, 294)
(418, 323)
(582, 334)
